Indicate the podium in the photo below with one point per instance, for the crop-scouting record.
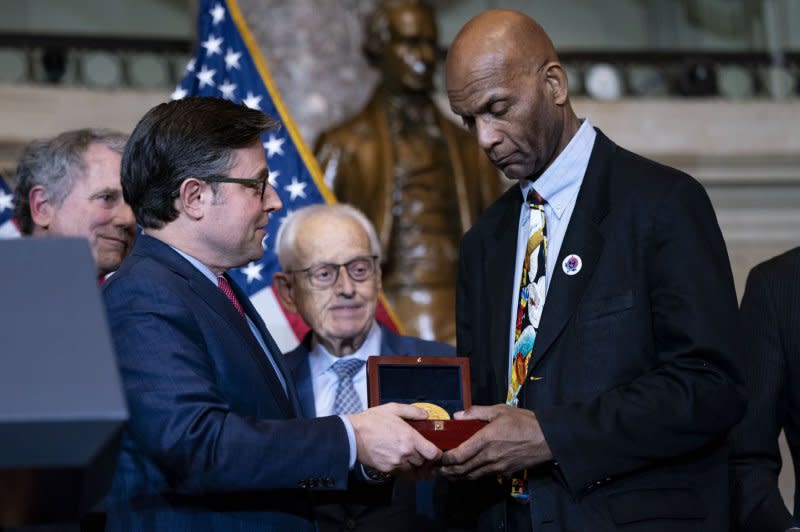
(62, 408)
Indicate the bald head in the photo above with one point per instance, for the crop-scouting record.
(504, 79)
(510, 36)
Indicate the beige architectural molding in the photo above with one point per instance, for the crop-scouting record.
(746, 153)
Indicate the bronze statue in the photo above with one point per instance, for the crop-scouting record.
(418, 177)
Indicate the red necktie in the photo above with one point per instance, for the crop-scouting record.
(225, 286)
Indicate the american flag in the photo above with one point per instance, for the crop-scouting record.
(228, 64)
(7, 227)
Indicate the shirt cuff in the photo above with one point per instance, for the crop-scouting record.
(351, 438)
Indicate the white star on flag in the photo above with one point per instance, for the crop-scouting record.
(206, 77)
(252, 101)
(297, 189)
(232, 59)
(227, 89)
(273, 177)
(217, 13)
(253, 271)
(212, 45)
(179, 93)
(274, 145)
(6, 201)
(190, 65)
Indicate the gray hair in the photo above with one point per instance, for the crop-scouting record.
(55, 163)
(287, 235)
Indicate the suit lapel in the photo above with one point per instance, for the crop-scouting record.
(583, 238)
(299, 368)
(390, 342)
(211, 295)
(215, 299)
(274, 351)
(500, 252)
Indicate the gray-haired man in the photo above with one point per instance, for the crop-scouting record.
(69, 185)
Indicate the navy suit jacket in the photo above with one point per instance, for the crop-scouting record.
(769, 332)
(635, 357)
(366, 507)
(213, 442)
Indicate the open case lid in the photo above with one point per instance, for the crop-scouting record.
(443, 381)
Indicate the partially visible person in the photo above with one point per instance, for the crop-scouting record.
(8, 227)
(769, 339)
(330, 256)
(69, 185)
(596, 303)
(419, 178)
(215, 441)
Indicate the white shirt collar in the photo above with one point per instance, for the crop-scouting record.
(320, 359)
(559, 184)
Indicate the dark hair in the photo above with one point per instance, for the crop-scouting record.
(192, 137)
(55, 163)
(378, 33)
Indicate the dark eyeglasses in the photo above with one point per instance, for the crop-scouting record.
(257, 183)
(325, 275)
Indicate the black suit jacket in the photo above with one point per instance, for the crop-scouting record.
(635, 357)
(213, 441)
(770, 339)
(400, 506)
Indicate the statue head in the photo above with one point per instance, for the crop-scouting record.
(401, 42)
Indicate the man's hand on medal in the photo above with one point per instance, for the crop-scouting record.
(512, 441)
(389, 444)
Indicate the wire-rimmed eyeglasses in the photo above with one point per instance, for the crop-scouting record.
(325, 275)
(259, 184)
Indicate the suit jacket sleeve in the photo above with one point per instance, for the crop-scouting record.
(180, 418)
(756, 460)
(687, 394)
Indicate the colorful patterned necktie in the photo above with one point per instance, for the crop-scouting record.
(529, 311)
(347, 400)
(226, 288)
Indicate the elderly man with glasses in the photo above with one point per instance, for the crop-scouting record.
(330, 257)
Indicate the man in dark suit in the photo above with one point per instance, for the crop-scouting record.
(330, 260)
(769, 328)
(214, 440)
(596, 303)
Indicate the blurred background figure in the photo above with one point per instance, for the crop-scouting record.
(69, 185)
(770, 340)
(417, 176)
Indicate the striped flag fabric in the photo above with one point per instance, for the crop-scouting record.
(228, 64)
(8, 228)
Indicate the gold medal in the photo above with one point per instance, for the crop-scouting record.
(434, 411)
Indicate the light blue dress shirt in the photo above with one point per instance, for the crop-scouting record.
(559, 186)
(324, 380)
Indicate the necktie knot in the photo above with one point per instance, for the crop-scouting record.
(346, 368)
(534, 198)
(227, 289)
